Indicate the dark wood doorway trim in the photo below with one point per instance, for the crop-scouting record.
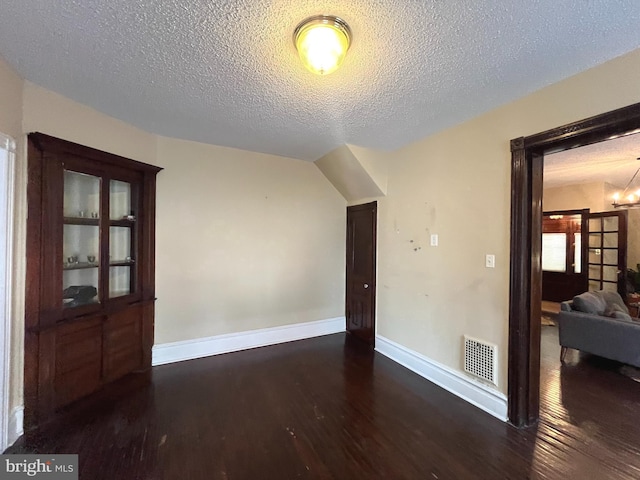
(526, 245)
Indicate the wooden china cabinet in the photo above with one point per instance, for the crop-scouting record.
(90, 272)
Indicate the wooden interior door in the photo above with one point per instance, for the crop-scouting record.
(361, 271)
(564, 254)
(608, 251)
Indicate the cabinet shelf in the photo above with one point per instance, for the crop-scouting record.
(121, 263)
(118, 293)
(80, 266)
(81, 221)
(71, 303)
(123, 222)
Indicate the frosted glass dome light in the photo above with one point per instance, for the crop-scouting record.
(322, 42)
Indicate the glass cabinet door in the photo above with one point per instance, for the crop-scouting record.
(122, 221)
(81, 239)
(87, 236)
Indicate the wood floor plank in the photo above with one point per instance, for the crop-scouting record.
(329, 408)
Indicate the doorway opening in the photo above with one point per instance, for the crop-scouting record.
(526, 247)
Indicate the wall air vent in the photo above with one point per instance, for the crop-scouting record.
(481, 359)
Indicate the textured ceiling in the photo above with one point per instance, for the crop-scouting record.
(226, 72)
(614, 161)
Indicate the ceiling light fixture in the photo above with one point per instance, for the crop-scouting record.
(322, 42)
(628, 200)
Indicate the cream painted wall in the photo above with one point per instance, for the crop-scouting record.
(633, 239)
(10, 101)
(51, 113)
(374, 162)
(348, 174)
(457, 184)
(244, 241)
(263, 235)
(576, 197)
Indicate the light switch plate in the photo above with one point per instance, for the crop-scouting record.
(490, 261)
(434, 240)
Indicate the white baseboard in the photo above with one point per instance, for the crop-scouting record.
(15, 426)
(233, 342)
(483, 397)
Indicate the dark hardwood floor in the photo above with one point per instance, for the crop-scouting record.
(327, 409)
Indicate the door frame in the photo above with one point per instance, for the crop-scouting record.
(374, 281)
(526, 245)
(6, 247)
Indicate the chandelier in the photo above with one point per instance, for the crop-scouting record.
(628, 199)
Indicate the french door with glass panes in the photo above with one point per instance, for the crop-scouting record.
(607, 259)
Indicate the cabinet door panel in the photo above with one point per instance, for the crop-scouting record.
(81, 239)
(78, 360)
(123, 342)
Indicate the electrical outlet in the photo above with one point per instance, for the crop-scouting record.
(490, 261)
(434, 240)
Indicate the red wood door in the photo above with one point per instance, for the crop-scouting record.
(564, 254)
(361, 271)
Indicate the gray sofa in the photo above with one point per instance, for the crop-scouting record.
(599, 323)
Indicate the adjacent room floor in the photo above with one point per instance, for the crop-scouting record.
(325, 408)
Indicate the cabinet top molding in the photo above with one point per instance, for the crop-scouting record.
(58, 146)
